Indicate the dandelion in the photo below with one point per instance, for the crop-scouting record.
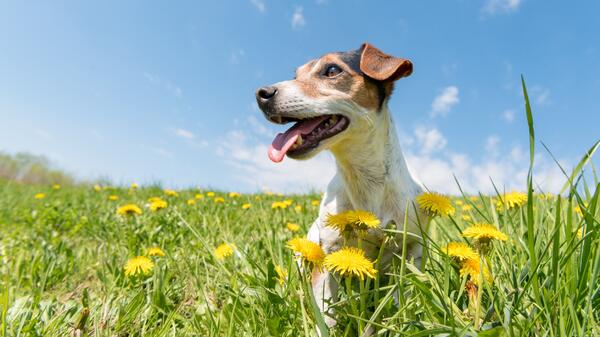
(460, 251)
(210, 194)
(138, 265)
(219, 200)
(288, 202)
(347, 221)
(292, 227)
(512, 200)
(307, 250)
(435, 204)
(56, 186)
(199, 196)
(171, 193)
(157, 204)
(97, 188)
(459, 202)
(466, 208)
(472, 269)
(349, 262)
(223, 250)
(129, 209)
(155, 251)
(191, 202)
(580, 233)
(134, 186)
(279, 205)
(39, 196)
(466, 217)
(298, 208)
(113, 197)
(315, 202)
(281, 274)
(234, 194)
(483, 235)
(246, 206)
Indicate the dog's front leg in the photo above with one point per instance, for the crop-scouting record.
(324, 289)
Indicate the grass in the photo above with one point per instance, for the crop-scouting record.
(62, 259)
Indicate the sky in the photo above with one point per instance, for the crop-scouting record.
(163, 92)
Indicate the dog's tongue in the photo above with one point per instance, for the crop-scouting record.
(284, 141)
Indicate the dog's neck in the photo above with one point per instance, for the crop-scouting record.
(372, 166)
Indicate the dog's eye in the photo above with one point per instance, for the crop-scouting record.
(332, 71)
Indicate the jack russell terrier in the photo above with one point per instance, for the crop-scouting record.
(339, 103)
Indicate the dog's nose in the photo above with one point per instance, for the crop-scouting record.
(265, 93)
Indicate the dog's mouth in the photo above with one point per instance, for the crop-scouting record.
(305, 135)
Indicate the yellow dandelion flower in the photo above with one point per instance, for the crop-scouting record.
(435, 204)
(155, 251)
(39, 196)
(337, 221)
(292, 227)
(138, 265)
(113, 197)
(171, 193)
(210, 194)
(580, 233)
(257, 197)
(157, 204)
(223, 250)
(129, 209)
(279, 205)
(281, 274)
(298, 208)
(219, 200)
(234, 194)
(280, 194)
(246, 206)
(56, 186)
(474, 198)
(315, 202)
(307, 250)
(153, 199)
(199, 196)
(460, 251)
(191, 202)
(472, 268)
(97, 188)
(466, 208)
(363, 219)
(484, 232)
(466, 217)
(288, 202)
(349, 262)
(134, 186)
(459, 202)
(512, 200)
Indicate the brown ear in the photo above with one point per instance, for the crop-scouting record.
(383, 67)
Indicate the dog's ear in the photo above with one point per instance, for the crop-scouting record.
(383, 67)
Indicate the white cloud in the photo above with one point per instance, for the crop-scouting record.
(298, 18)
(430, 140)
(540, 95)
(260, 5)
(183, 133)
(508, 115)
(501, 6)
(444, 101)
(236, 56)
(172, 88)
(491, 144)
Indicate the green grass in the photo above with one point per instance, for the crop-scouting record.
(62, 258)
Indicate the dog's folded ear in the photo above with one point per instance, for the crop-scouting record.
(383, 67)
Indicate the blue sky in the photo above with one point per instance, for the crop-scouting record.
(164, 92)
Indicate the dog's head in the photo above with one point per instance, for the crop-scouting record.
(330, 98)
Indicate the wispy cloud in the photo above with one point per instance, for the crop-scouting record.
(186, 134)
(430, 140)
(508, 115)
(298, 20)
(540, 95)
(501, 6)
(260, 5)
(236, 56)
(167, 85)
(444, 101)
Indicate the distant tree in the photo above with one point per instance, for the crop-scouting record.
(31, 169)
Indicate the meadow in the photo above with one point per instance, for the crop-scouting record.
(101, 260)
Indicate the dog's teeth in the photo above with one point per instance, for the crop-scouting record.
(298, 141)
(278, 119)
(334, 119)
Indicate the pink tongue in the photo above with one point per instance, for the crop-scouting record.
(284, 141)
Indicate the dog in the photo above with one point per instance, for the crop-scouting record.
(339, 103)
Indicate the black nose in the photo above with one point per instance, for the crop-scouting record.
(265, 93)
